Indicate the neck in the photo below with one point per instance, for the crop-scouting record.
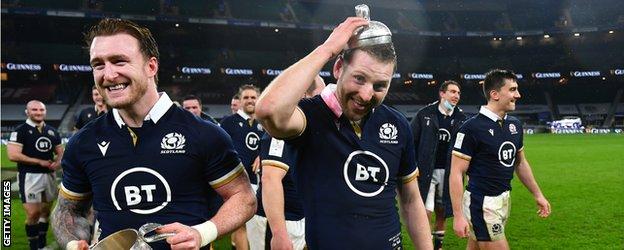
(134, 115)
(101, 107)
(37, 123)
(442, 107)
(494, 108)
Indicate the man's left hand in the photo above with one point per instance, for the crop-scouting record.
(544, 206)
(185, 237)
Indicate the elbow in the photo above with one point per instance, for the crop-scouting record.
(13, 157)
(264, 109)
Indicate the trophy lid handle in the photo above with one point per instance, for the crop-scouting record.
(363, 11)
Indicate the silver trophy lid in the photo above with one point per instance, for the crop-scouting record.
(373, 34)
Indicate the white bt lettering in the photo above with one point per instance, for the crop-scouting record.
(362, 173)
(133, 194)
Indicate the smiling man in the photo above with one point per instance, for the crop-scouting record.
(488, 148)
(147, 160)
(354, 152)
(32, 146)
(433, 127)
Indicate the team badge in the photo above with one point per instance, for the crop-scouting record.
(30, 132)
(240, 124)
(50, 132)
(173, 143)
(497, 228)
(491, 131)
(88, 115)
(388, 134)
(259, 126)
(365, 173)
(512, 129)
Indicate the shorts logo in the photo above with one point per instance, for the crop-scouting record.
(43, 144)
(173, 143)
(143, 190)
(365, 173)
(507, 154)
(444, 135)
(388, 134)
(497, 229)
(31, 196)
(252, 140)
(512, 129)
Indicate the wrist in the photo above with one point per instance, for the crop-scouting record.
(207, 232)
(72, 245)
(324, 52)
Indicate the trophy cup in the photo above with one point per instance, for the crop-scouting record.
(373, 34)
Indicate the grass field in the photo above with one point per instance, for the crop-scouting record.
(581, 175)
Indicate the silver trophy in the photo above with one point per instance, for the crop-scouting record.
(373, 34)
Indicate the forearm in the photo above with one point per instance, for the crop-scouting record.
(23, 159)
(525, 174)
(69, 221)
(273, 202)
(415, 216)
(278, 101)
(456, 190)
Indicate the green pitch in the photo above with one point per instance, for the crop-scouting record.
(581, 175)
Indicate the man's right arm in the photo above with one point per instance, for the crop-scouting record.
(459, 166)
(276, 108)
(70, 223)
(14, 151)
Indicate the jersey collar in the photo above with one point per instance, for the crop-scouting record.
(34, 124)
(329, 97)
(243, 114)
(489, 114)
(158, 111)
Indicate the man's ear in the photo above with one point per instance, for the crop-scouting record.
(338, 67)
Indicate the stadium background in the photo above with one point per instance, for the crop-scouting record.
(569, 54)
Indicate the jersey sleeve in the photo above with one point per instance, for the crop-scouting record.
(408, 170)
(75, 184)
(222, 163)
(276, 153)
(464, 144)
(56, 139)
(17, 136)
(306, 106)
(521, 132)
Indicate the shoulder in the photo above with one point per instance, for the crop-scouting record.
(21, 127)
(514, 120)
(471, 123)
(393, 113)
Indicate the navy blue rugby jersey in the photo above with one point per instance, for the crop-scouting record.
(491, 150)
(348, 183)
(444, 138)
(163, 178)
(35, 143)
(277, 153)
(246, 139)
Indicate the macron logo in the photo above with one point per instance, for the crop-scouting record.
(103, 147)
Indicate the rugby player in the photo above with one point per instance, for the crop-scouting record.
(433, 127)
(33, 146)
(279, 204)
(146, 161)
(89, 114)
(489, 148)
(193, 104)
(354, 152)
(246, 133)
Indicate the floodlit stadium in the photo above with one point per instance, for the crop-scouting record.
(567, 56)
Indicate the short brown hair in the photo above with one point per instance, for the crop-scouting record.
(246, 87)
(446, 83)
(383, 52)
(495, 80)
(113, 26)
(192, 97)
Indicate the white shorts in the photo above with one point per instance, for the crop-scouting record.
(257, 233)
(487, 215)
(37, 187)
(434, 197)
